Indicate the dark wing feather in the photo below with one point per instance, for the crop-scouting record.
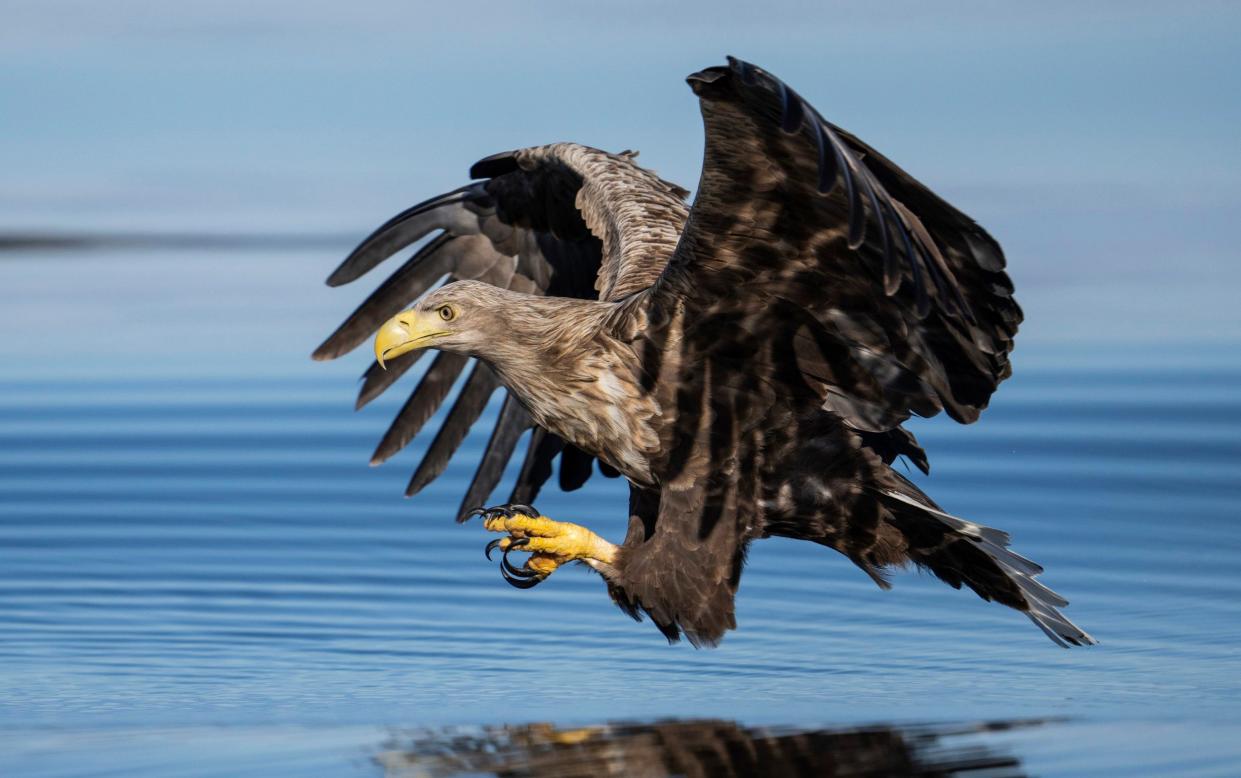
(908, 309)
(543, 449)
(422, 404)
(799, 283)
(682, 558)
(806, 313)
(534, 226)
(449, 212)
(575, 468)
(512, 424)
(470, 403)
(428, 265)
(377, 379)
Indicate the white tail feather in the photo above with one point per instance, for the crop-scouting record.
(1041, 601)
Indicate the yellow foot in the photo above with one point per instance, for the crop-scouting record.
(549, 543)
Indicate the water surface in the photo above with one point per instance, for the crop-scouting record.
(200, 575)
(194, 548)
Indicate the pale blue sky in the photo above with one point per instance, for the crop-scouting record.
(1097, 141)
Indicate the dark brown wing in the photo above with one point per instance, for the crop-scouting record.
(817, 298)
(546, 221)
(683, 574)
(908, 309)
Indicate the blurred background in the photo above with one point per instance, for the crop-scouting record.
(199, 573)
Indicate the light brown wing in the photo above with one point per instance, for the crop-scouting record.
(636, 215)
(520, 229)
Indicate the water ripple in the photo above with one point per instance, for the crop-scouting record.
(225, 543)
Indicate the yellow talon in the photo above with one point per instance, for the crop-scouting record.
(556, 538)
(549, 543)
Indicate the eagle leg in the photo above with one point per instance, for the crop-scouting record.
(549, 543)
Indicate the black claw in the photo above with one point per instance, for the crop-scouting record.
(522, 583)
(517, 572)
(507, 511)
(521, 577)
(491, 547)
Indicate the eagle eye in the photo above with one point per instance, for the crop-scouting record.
(447, 313)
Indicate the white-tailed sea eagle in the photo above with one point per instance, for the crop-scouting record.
(745, 363)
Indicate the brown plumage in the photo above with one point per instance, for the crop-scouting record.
(746, 364)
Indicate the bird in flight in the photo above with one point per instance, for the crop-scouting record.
(745, 363)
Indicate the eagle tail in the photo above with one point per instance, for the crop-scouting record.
(960, 552)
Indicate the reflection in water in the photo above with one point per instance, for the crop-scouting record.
(697, 748)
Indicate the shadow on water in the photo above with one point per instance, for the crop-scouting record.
(700, 748)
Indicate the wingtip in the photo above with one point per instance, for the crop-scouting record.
(494, 165)
(346, 271)
(1065, 638)
(738, 65)
(702, 79)
(379, 456)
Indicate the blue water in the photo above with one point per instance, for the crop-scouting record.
(195, 551)
(200, 575)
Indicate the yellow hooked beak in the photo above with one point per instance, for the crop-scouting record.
(405, 332)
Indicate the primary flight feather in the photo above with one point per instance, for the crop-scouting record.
(745, 363)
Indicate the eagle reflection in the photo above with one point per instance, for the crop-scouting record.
(697, 749)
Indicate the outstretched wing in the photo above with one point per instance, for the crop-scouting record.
(813, 275)
(905, 304)
(544, 222)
